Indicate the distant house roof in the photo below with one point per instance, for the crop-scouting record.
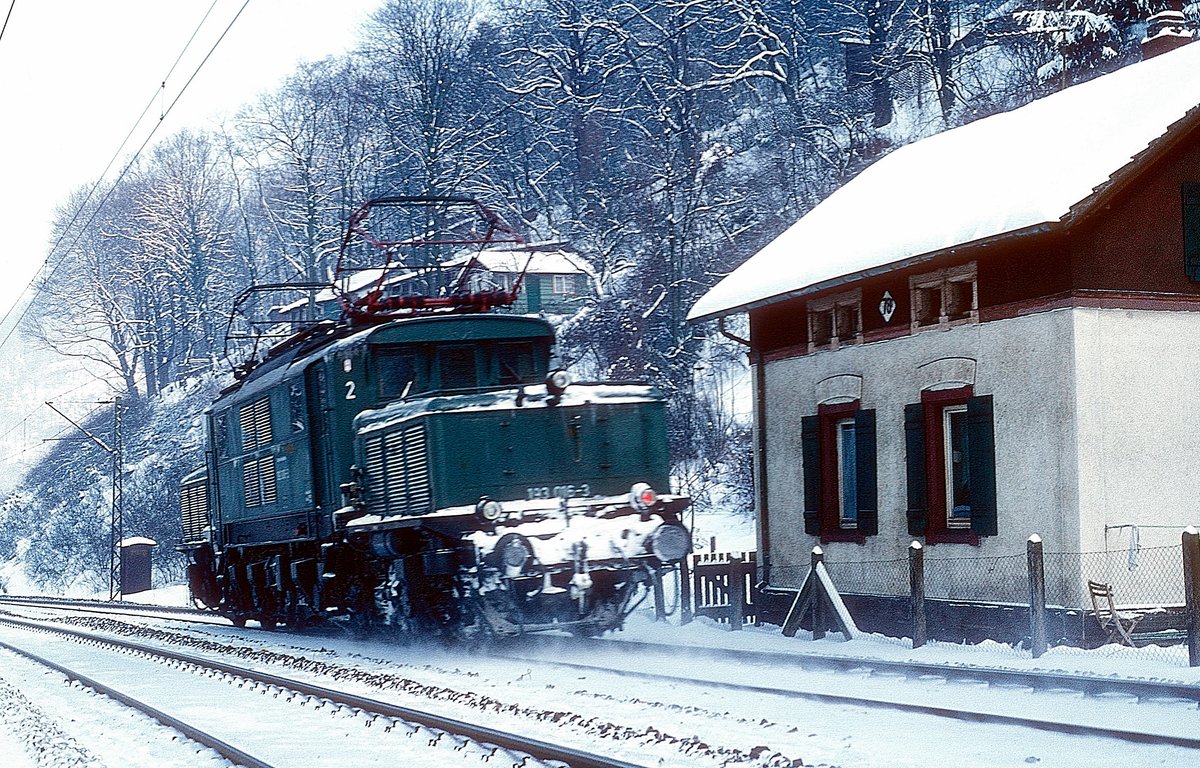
(543, 259)
(1033, 169)
(548, 261)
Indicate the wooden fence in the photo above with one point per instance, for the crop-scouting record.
(720, 586)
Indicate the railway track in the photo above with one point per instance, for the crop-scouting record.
(489, 740)
(116, 608)
(852, 681)
(614, 656)
(1088, 685)
(225, 750)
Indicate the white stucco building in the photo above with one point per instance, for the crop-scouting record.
(989, 333)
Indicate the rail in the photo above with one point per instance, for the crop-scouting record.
(225, 750)
(537, 749)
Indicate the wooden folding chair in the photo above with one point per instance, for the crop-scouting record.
(1118, 625)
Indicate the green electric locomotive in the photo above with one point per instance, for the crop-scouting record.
(428, 470)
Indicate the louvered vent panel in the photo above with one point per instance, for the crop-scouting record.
(262, 422)
(250, 482)
(194, 506)
(374, 478)
(416, 465)
(397, 473)
(394, 452)
(255, 422)
(266, 473)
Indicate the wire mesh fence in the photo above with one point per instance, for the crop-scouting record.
(1142, 578)
(983, 598)
(1146, 586)
(1003, 579)
(870, 577)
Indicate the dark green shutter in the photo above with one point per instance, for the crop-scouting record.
(914, 457)
(1191, 230)
(810, 440)
(864, 450)
(981, 465)
(533, 293)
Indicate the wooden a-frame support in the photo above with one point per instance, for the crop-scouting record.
(819, 598)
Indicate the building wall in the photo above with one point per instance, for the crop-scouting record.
(1025, 363)
(1094, 425)
(1139, 433)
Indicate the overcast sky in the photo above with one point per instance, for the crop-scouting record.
(74, 77)
(76, 74)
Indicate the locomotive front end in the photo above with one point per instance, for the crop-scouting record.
(551, 502)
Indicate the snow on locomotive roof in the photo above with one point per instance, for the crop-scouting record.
(514, 399)
(1015, 172)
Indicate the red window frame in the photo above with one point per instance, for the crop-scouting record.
(831, 513)
(933, 402)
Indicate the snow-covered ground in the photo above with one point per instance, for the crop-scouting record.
(646, 722)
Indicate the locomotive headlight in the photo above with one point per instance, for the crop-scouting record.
(558, 381)
(488, 510)
(513, 551)
(642, 497)
(670, 542)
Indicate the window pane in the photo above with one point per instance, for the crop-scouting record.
(398, 372)
(821, 327)
(927, 305)
(457, 367)
(847, 474)
(516, 364)
(958, 480)
(847, 322)
(960, 299)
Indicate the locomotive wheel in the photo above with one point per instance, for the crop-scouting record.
(393, 605)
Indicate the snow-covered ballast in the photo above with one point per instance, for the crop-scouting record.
(548, 503)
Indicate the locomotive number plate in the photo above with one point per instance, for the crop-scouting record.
(558, 491)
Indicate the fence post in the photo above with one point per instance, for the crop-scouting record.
(737, 593)
(685, 591)
(1191, 592)
(818, 605)
(916, 586)
(1037, 596)
(660, 599)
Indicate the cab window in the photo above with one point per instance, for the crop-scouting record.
(457, 367)
(516, 363)
(400, 372)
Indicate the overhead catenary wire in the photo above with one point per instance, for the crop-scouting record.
(108, 167)
(112, 187)
(7, 16)
(633, 58)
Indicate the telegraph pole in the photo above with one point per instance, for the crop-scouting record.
(116, 522)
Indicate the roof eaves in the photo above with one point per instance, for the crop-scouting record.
(1122, 177)
(852, 277)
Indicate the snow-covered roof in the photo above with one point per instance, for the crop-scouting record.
(1014, 172)
(541, 262)
(133, 541)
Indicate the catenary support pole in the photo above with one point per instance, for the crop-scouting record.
(116, 526)
(916, 584)
(1191, 592)
(1037, 597)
